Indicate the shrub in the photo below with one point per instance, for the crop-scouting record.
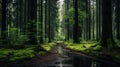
(16, 38)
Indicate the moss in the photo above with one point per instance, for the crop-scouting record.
(12, 55)
(82, 47)
(41, 53)
(48, 46)
(4, 53)
(117, 58)
(21, 54)
(95, 49)
(88, 48)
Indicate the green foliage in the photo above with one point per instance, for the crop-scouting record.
(117, 58)
(22, 54)
(88, 48)
(117, 43)
(16, 38)
(32, 32)
(12, 55)
(48, 46)
(4, 53)
(59, 38)
(45, 40)
(70, 15)
(41, 53)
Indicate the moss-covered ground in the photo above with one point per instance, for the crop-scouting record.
(96, 50)
(22, 54)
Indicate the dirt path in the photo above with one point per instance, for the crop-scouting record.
(47, 58)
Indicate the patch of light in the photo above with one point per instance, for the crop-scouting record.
(61, 2)
(60, 31)
(60, 9)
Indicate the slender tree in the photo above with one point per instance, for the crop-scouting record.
(41, 21)
(97, 20)
(3, 24)
(49, 21)
(32, 21)
(75, 27)
(118, 18)
(46, 19)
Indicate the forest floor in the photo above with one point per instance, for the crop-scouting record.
(46, 58)
(51, 55)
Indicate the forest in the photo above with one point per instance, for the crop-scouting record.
(45, 33)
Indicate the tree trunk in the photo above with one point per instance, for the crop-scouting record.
(118, 18)
(49, 21)
(32, 21)
(75, 27)
(97, 20)
(46, 19)
(3, 26)
(41, 21)
(107, 37)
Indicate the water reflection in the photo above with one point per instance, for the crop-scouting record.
(82, 61)
(69, 59)
(94, 64)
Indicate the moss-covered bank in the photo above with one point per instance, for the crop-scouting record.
(94, 49)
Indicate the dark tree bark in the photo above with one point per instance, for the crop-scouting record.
(107, 37)
(75, 27)
(25, 16)
(97, 20)
(93, 22)
(88, 21)
(49, 21)
(67, 20)
(118, 18)
(68, 30)
(3, 26)
(100, 19)
(20, 12)
(32, 19)
(41, 21)
(46, 18)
